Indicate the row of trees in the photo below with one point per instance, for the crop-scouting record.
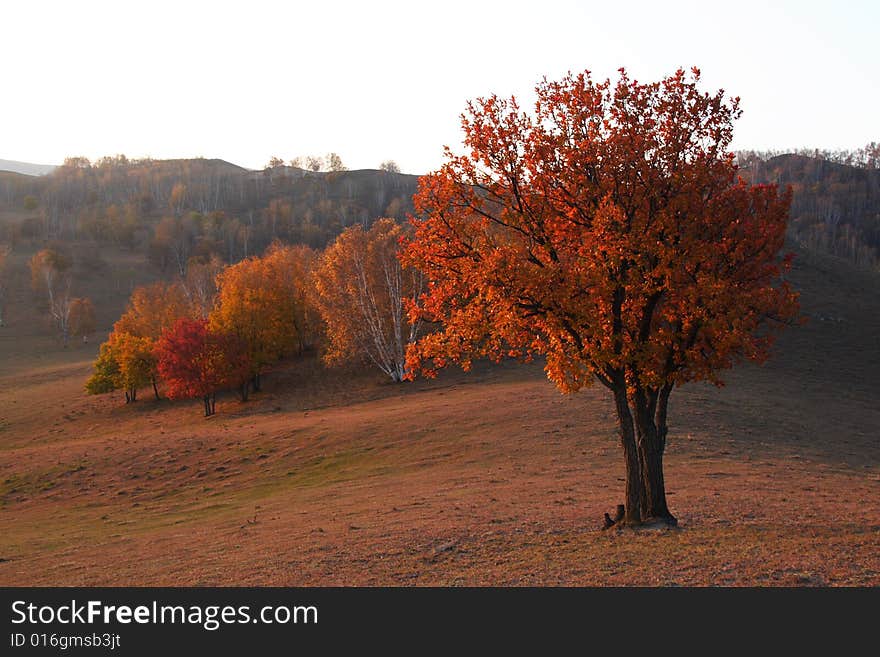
(332, 162)
(314, 163)
(221, 327)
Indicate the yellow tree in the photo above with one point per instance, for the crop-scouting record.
(361, 291)
(124, 362)
(105, 373)
(295, 266)
(264, 301)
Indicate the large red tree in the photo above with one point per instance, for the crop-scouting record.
(607, 231)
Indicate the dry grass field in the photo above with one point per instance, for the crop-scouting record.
(487, 478)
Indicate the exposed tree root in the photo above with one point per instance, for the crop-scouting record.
(619, 522)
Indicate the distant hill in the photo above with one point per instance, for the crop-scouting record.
(27, 168)
(835, 207)
(211, 206)
(200, 207)
(216, 165)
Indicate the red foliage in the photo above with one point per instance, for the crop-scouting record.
(197, 362)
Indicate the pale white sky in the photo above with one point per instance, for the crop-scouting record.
(375, 79)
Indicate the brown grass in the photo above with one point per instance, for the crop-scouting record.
(332, 478)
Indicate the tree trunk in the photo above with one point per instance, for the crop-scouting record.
(641, 419)
(655, 488)
(634, 485)
(256, 382)
(155, 388)
(243, 391)
(662, 510)
(649, 406)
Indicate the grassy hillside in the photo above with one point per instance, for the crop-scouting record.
(492, 477)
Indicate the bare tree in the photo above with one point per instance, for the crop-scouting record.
(334, 162)
(176, 235)
(200, 283)
(177, 199)
(50, 273)
(60, 307)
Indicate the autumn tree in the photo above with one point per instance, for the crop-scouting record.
(105, 373)
(389, 166)
(196, 362)
(295, 265)
(51, 275)
(82, 318)
(125, 362)
(153, 308)
(264, 301)
(361, 290)
(608, 232)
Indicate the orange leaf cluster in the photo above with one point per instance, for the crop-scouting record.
(607, 231)
(265, 302)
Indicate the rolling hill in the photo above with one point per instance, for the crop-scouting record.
(493, 477)
(26, 168)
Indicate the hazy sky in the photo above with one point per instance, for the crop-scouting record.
(374, 80)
